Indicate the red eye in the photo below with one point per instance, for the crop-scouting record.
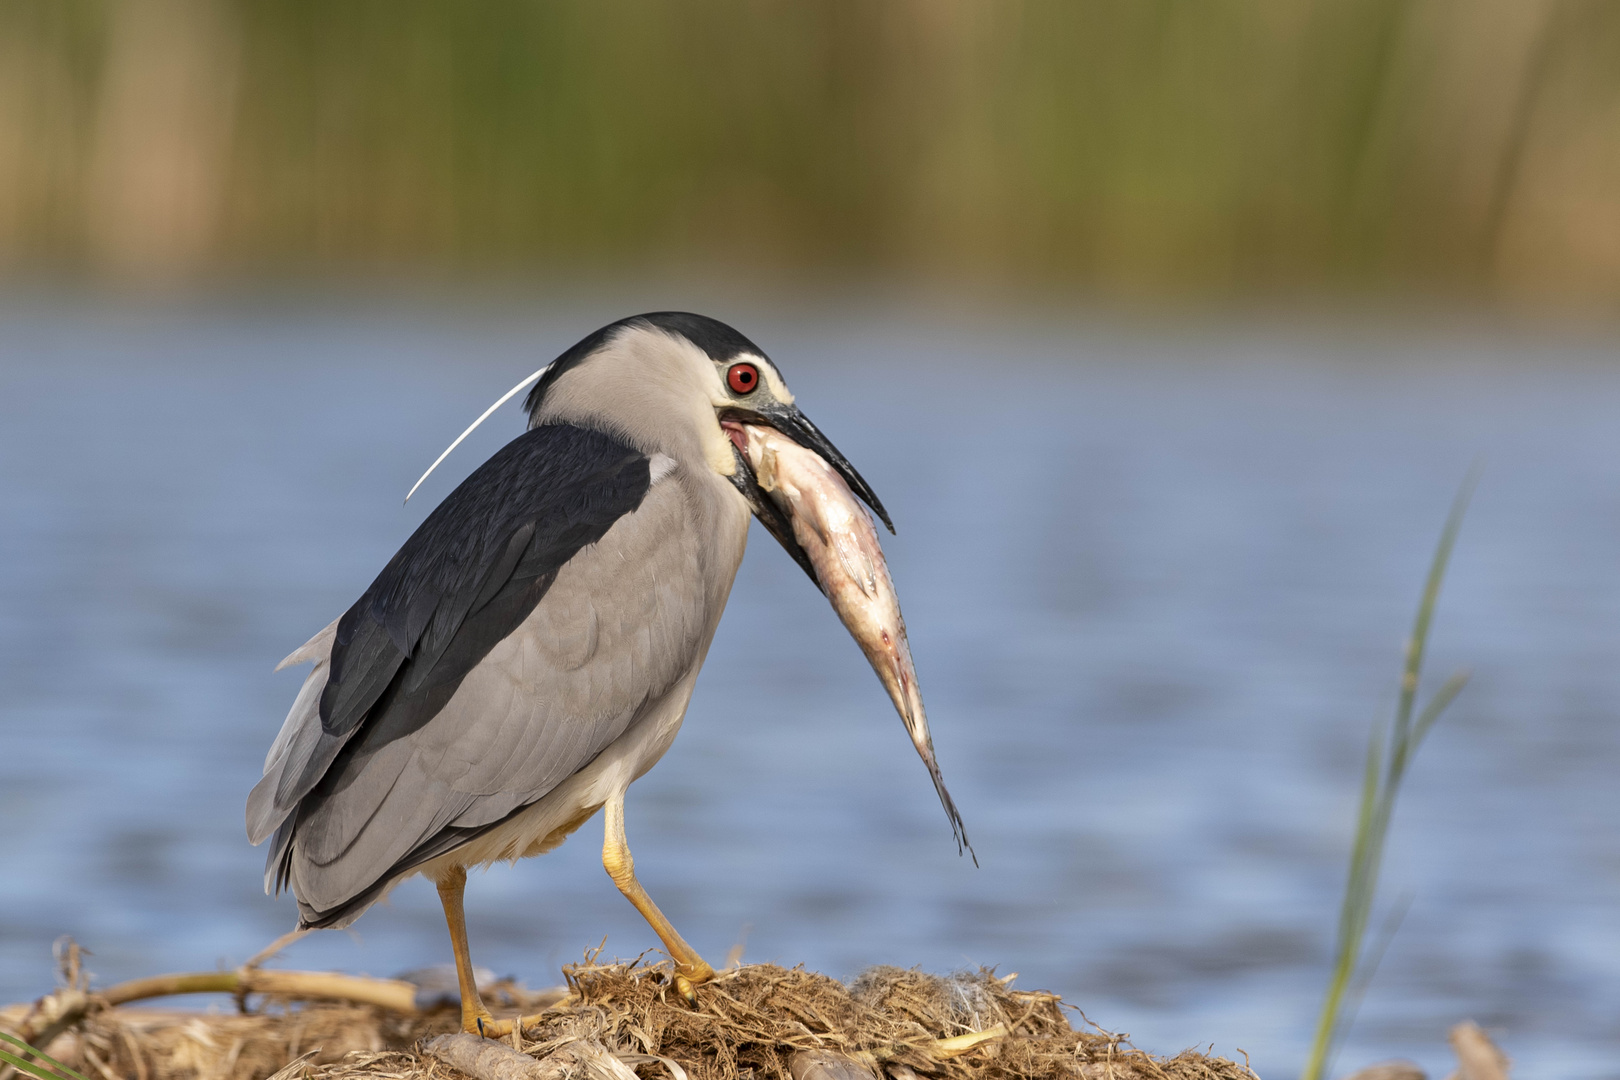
(742, 378)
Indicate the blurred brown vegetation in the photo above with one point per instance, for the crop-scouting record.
(1127, 147)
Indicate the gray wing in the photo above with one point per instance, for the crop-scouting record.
(624, 620)
(300, 731)
(466, 579)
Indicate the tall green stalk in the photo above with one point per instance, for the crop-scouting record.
(1389, 752)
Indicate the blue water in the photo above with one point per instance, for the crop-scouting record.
(1157, 582)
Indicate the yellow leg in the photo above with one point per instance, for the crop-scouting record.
(474, 1017)
(690, 968)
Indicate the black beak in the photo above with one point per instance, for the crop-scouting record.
(795, 425)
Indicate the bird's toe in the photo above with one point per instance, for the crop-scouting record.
(690, 975)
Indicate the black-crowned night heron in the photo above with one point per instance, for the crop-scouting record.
(531, 649)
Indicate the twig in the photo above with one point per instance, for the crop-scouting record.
(294, 1068)
(961, 1044)
(486, 1060)
(393, 994)
(52, 1015)
(99, 1065)
(274, 947)
(1477, 1057)
(55, 1013)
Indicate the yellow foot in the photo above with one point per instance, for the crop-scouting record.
(477, 1021)
(689, 976)
(491, 1028)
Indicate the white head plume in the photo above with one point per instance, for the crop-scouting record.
(504, 398)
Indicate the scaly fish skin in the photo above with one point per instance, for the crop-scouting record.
(841, 541)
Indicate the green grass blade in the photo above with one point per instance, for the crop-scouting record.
(42, 1055)
(32, 1068)
(1361, 853)
(1380, 784)
(1350, 908)
(1365, 972)
(1417, 644)
(1438, 704)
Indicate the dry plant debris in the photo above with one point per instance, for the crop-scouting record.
(1399, 1069)
(750, 1022)
(1478, 1058)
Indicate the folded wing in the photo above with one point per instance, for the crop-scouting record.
(501, 650)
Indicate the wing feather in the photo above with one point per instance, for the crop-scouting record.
(463, 582)
(523, 720)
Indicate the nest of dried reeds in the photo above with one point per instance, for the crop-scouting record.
(750, 1023)
(751, 1020)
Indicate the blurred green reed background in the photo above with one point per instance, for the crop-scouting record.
(1140, 148)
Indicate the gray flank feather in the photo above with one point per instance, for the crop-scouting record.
(464, 581)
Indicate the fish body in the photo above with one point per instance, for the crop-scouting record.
(841, 541)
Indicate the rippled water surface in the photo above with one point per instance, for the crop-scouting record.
(1156, 583)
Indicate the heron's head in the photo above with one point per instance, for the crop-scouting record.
(677, 383)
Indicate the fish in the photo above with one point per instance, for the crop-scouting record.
(841, 541)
